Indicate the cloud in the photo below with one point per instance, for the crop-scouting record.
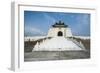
(32, 31)
(49, 18)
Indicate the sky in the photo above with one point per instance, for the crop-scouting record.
(37, 23)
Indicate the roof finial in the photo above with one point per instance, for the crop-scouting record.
(60, 22)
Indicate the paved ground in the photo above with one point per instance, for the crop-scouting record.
(55, 55)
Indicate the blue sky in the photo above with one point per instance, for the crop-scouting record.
(38, 23)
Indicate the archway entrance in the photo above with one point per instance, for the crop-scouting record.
(60, 33)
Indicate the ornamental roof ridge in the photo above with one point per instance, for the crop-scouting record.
(59, 24)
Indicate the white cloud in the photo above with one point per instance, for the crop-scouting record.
(33, 31)
(50, 18)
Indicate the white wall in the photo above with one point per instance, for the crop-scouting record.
(53, 32)
(5, 40)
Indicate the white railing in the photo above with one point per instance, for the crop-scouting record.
(78, 43)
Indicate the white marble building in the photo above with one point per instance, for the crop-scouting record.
(59, 41)
(59, 29)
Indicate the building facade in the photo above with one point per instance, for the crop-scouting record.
(59, 30)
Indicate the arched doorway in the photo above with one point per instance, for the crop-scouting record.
(60, 33)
